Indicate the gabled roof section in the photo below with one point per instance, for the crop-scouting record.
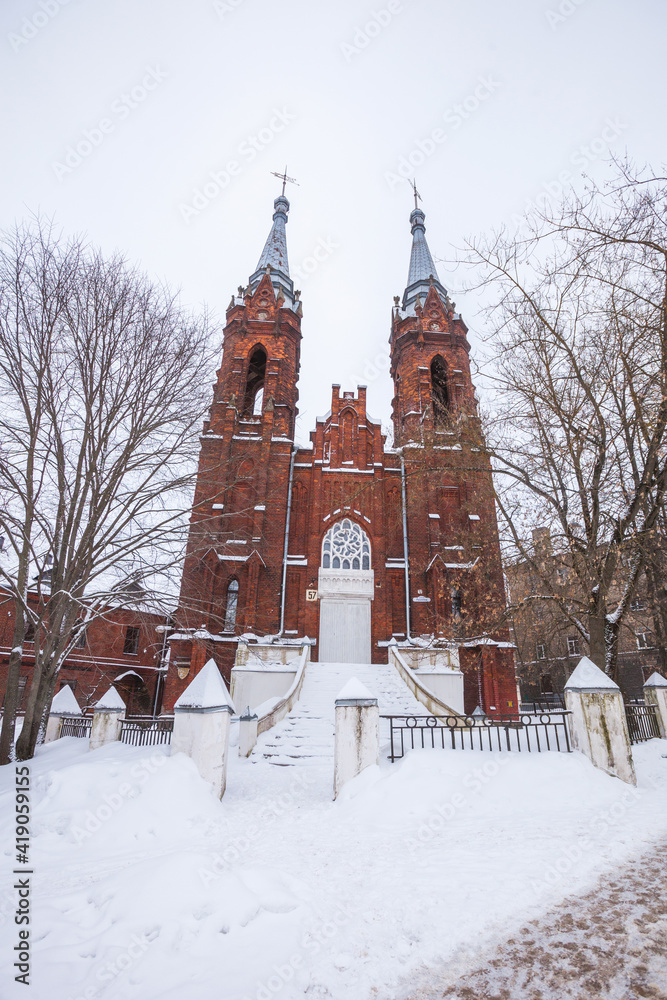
(422, 272)
(273, 259)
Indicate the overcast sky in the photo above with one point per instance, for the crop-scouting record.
(117, 112)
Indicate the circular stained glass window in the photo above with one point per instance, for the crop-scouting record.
(346, 546)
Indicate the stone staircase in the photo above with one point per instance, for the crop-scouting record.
(306, 735)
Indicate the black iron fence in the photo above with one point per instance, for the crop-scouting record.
(528, 733)
(547, 703)
(76, 726)
(144, 732)
(643, 722)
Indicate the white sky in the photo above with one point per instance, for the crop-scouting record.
(221, 70)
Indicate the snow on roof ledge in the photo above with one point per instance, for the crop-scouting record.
(354, 690)
(110, 702)
(65, 703)
(586, 676)
(656, 680)
(206, 692)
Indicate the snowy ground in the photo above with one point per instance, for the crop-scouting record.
(146, 886)
(611, 943)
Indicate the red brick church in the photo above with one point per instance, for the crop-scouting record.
(347, 541)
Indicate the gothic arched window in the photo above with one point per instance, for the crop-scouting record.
(348, 422)
(346, 546)
(457, 602)
(439, 391)
(255, 383)
(231, 605)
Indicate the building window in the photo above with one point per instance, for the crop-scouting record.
(644, 640)
(439, 391)
(541, 651)
(258, 404)
(81, 639)
(347, 431)
(131, 640)
(573, 646)
(69, 684)
(255, 383)
(457, 599)
(346, 546)
(638, 604)
(30, 631)
(546, 684)
(231, 605)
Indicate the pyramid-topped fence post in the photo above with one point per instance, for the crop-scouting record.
(598, 724)
(108, 715)
(63, 706)
(202, 719)
(655, 693)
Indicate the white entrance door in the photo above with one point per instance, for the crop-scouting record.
(345, 630)
(346, 589)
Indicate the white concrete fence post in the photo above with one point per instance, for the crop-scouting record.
(202, 718)
(108, 715)
(357, 741)
(247, 733)
(598, 724)
(63, 706)
(655, 693)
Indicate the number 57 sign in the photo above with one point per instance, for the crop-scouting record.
(311, 595)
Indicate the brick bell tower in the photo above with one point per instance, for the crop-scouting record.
(455, 571)
(232, 574)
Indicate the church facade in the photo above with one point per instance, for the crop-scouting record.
(349, 542)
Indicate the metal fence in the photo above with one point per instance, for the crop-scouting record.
(547, 703)
(76, 727)
(528, 733)
(643, 722)
(143, 732)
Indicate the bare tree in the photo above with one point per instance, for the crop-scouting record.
(102, 390)
(579, 414)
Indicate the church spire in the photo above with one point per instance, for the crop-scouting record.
(422, 270)
(275, 248)
(274, 254)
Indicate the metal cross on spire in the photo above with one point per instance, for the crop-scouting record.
(284, 178)
(416, 192)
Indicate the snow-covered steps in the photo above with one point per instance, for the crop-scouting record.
(306, 735)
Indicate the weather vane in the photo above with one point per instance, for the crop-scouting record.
(284, 178)
(416, 192)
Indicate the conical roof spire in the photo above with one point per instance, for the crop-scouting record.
(274, 254)
(275, 248)
(422, 272)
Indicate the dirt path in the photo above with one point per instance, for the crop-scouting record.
(610, 944)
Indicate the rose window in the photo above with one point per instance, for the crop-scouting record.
(346, 546)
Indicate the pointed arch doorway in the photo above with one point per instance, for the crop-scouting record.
(346, 586)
